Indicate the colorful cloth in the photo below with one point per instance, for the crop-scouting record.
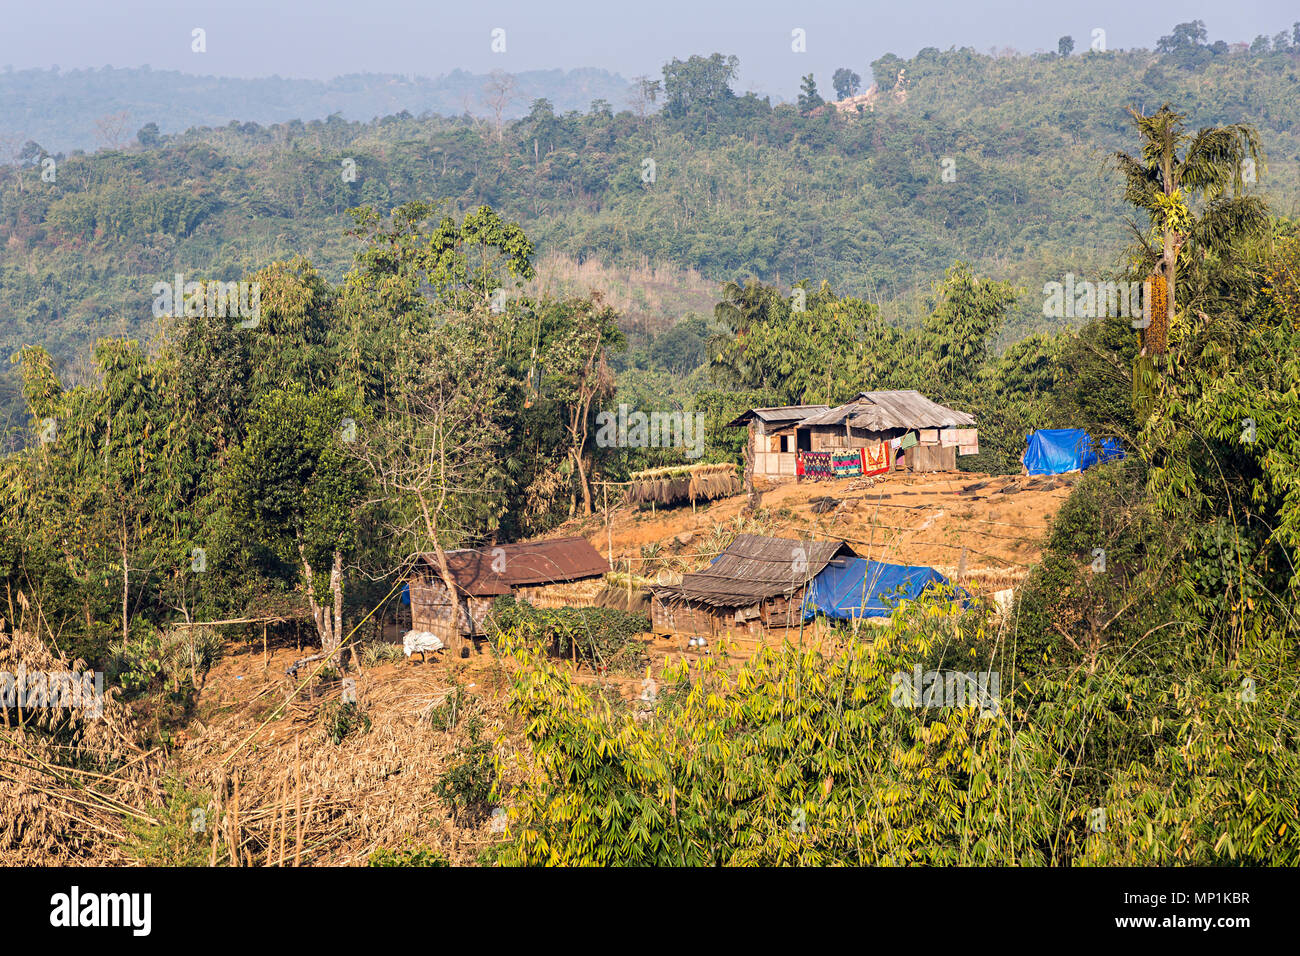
(847, 463)
(909, 441)
(818, 464)
(875, 459)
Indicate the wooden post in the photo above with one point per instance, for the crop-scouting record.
(266, 658)
(609, 533)
(297, 759)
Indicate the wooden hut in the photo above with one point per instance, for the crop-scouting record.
(561, 571)
(773, 440)
(875, 421)
(755, 585)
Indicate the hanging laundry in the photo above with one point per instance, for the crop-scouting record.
(847, 463)
(909, 441)
(818, 464)
(877, 459)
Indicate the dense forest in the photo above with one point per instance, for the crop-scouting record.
(408, 386)
(741, 189)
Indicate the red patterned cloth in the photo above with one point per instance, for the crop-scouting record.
(875, 459)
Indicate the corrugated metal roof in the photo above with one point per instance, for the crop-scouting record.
(907, 408)
(833, 416)
(781, 413)
(526, 563)
(874, 411)
(754, 568)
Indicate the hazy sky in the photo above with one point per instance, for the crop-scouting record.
(325, 38)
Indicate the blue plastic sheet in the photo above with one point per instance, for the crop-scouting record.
(1054, 451)
(856, 587)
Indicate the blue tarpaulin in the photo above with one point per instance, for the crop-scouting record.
(1054, 451)
(856, 587)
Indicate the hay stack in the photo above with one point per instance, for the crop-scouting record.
(70, 778)
(678, 483)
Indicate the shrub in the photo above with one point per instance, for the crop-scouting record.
(596, 635)
(469, 783)
(407, 856)
(342, 718)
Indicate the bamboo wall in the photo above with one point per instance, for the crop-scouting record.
(431, 610)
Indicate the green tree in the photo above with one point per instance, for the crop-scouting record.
(294, 489)
(1164, 184)
(809, 98)
(846, 83)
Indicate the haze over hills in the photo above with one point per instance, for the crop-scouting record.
(60, 110)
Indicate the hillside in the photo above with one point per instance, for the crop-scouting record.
(741, 188)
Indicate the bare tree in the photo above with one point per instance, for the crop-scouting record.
(110, 129)
(433, 451)
(645, 93)
(498, 93)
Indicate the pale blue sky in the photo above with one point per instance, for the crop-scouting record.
(325, 38)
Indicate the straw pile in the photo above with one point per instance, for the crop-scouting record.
(677, 483)
(257, 761)
(69, 780)
(291, 797)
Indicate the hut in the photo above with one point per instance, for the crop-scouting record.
(755, 585)
(895, 430)
(773, 441)
(561, 571)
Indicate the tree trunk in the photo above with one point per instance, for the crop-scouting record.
(444, 571)
(324, 619)
(582, 482)
(449, 582)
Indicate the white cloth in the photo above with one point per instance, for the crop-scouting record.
(416, 641)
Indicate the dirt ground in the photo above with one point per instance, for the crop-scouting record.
(998, 523)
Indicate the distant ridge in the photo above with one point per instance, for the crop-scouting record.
(59, 110)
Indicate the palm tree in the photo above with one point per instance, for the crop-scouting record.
(1164, 184)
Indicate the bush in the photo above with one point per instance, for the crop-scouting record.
(469, 784)
(407, 856)
(342, 718)
(180, 838)
(595, 635)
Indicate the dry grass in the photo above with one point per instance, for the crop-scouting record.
(677, 483)
(69, 780)
(281, 792)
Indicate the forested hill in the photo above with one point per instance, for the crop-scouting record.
(88, 109)
(729, 185)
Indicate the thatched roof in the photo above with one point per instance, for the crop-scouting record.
(754, 568)
(482, 572)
